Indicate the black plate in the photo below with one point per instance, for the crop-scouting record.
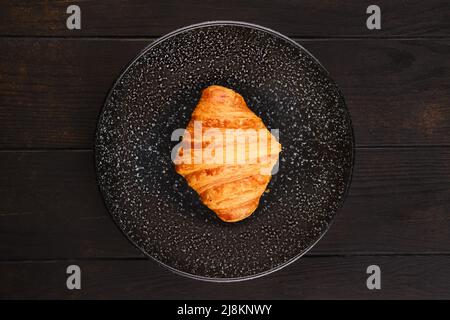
(283, 84)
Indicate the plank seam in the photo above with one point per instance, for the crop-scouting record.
(307, 256)
(295, 37)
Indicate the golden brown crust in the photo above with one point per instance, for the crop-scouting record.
(231, 190)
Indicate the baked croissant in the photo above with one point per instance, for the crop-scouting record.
(222, 158)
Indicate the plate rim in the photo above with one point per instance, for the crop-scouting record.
(197, 26)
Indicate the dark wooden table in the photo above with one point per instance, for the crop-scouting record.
(396, 81)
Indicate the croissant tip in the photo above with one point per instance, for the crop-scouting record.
(216, 86)
(234, 219)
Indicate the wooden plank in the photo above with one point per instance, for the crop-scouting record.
(399, 202)
(402, 277)
(397, 91)
(51, 207)
(294, 18)
(51, 91)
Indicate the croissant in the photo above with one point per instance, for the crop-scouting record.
(227, 154)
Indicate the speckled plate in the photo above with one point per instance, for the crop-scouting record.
(156, 94)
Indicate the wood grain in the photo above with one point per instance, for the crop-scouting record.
(294, 18)
(51, 91)
(51, 207)
(403, 277)
(399, 202)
